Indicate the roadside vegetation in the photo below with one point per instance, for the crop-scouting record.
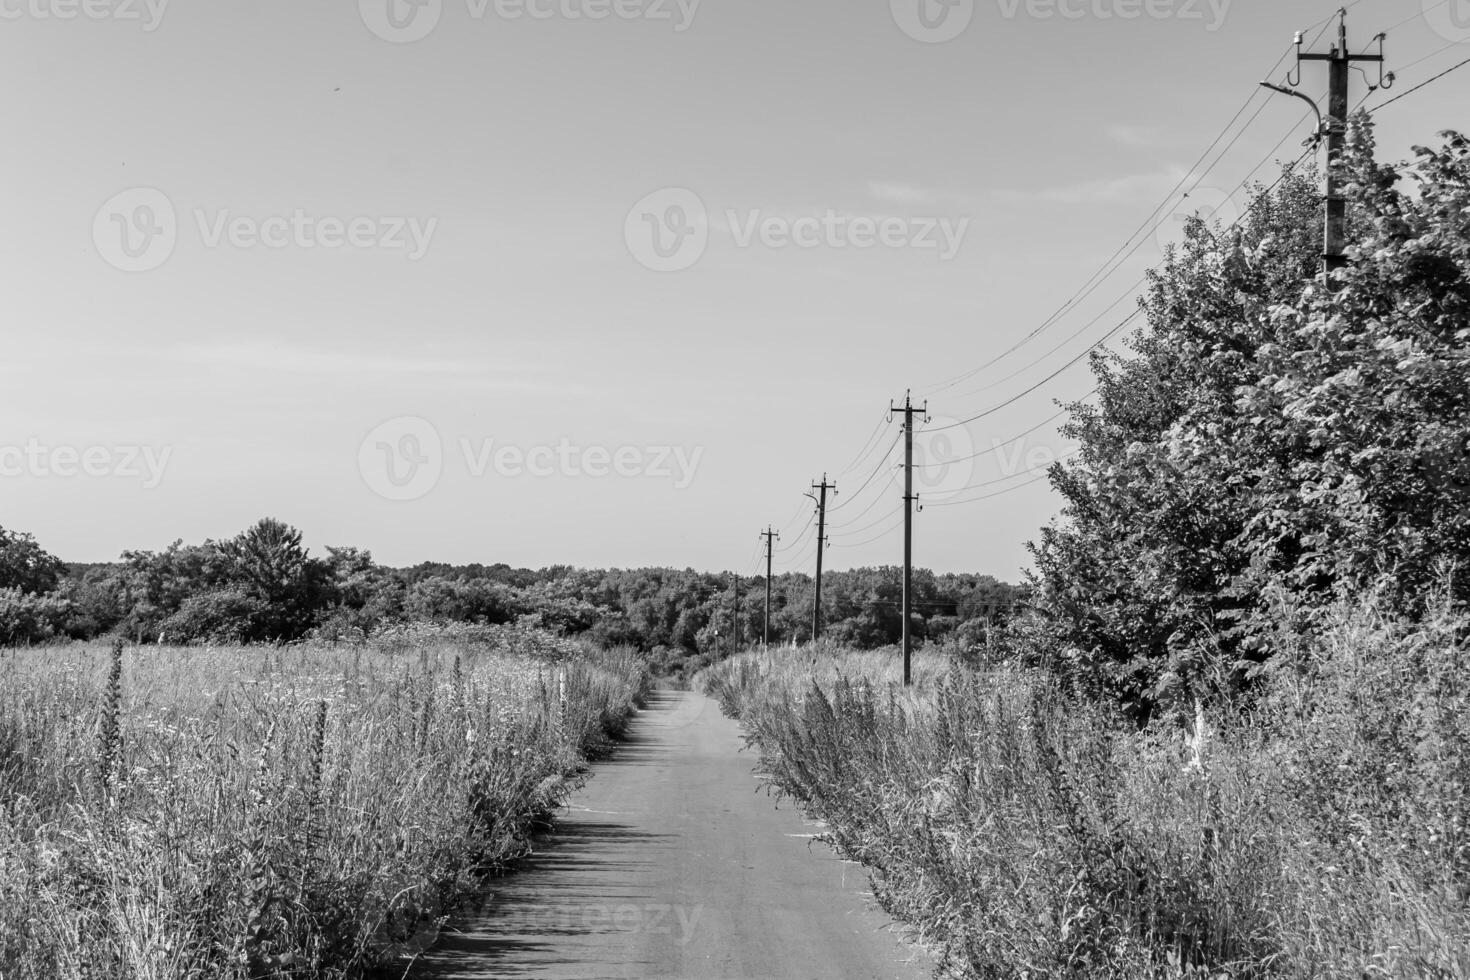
(308, 811)
(1230, 736)
(1023, 831)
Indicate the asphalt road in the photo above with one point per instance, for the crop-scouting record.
(671, 864)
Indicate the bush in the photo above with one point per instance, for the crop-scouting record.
(223, 616)
(26, 618)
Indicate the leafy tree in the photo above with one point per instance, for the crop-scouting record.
(25, 565)
(1270, 433)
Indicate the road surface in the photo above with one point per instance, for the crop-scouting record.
(671, 864)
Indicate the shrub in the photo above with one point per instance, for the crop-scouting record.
(27, 618)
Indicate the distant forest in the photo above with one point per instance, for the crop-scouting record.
(263, 586)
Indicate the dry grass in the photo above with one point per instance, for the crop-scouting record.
(249, 812)
(1325, 834)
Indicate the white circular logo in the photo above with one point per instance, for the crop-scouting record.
(402, 459)
(668, 230)
(932, 21)
(1208, 203)
(401, 21)
(136, 230)
(944, 458)
(1450, 20)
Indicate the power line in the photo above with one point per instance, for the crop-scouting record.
(988, 496)
(1113, 262)
(811, 523)
(1429, 81)
(1015, 398)
(998, 446)
(868, 527)
(878, 537)
(1070, 337)
(876, 470)
(868, 445)
(892, 477)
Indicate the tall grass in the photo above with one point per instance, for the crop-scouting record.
(1325, 832)
(301, 812)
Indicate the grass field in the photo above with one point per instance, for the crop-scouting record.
(1322, 833)
(294, 812)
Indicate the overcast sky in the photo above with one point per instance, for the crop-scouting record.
(601, 282)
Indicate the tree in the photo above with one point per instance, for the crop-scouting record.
(1269, 435)
(25, 565)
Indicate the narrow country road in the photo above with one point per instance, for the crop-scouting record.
(671, 864)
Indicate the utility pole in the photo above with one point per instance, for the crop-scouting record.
(735, 633)
(821, 500)
(1339, 63)
(909, 497)
(769, 535)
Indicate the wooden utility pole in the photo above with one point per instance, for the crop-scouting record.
(735, 632)
(769, 535)
(1339, 64)
(821, 500)
(909, 497)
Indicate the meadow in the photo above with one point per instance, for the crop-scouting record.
(1320, 830)
(303, 811)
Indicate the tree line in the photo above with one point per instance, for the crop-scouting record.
(264, 586)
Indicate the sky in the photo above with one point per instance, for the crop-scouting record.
(607, 282)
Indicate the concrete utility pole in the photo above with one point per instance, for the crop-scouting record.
(770, 536)
(821, 500)
(1339, 63)
(909, 497)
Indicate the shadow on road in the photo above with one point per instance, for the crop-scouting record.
(578, 884)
